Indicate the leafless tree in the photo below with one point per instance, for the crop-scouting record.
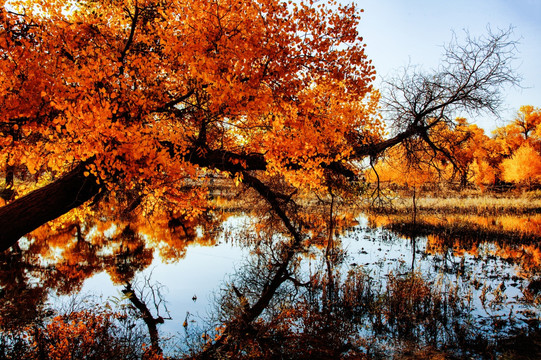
(141, 295)
(471, 78)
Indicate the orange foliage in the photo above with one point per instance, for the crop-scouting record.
(397, 168)
(86, 334)
(76, 336)
(525, 129)
(514, 155)
(143, 87)
(523, 166)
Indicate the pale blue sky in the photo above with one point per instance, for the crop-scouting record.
(398, 32)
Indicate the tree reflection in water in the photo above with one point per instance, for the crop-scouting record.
(354, 313)
(298, 295)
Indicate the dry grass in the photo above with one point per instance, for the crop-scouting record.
(469, 203)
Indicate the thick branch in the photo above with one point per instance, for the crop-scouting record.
(132, 34)
(171, 104)
(364, 150)
(27, 213)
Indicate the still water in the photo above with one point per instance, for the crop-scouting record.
(489, 288)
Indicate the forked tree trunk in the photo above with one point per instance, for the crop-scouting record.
(150, 321)
(27, 213)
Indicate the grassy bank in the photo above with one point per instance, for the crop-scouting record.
(466, 202)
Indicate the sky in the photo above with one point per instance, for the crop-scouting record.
(402, 32)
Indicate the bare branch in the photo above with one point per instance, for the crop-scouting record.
(472, 77)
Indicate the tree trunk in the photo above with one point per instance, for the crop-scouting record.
(27, 213)
(150, 321)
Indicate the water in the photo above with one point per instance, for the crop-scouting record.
(493, 285)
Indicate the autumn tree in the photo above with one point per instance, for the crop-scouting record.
(138, 97)
(142, 100)
(396, 168)
(518, 145)
(475, 156)
(467, 156)
(524, 129)
(524, 166)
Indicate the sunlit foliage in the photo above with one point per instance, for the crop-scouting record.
(464, 154)
(143, 88)
(523, 166)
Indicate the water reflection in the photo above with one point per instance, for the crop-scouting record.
(510, 238)
(363, 287)
(58, 258)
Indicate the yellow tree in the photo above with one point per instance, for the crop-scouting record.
(523, 167)
(477, 157)
(397, 168)
(455, 155)
(524, 129)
